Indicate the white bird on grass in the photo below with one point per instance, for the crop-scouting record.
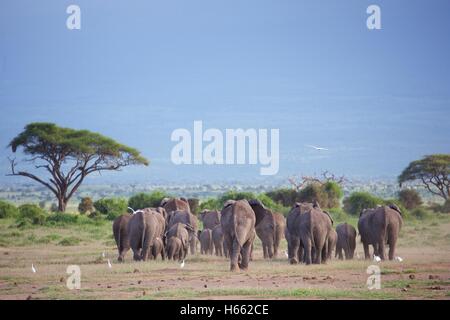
(33, 268)
(182, 264)
(376, 258)
(109, 264)
(103, 254)
(399, 259)
(317, 148)
(286, 254)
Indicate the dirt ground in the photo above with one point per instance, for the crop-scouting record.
(424, 273)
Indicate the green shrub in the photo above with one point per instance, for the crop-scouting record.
(8, 210)
(61, 218)
(313, 192)
(284, 196)
(410, 198)
(86, 205)
(111, 207)
(194, 205)
(32, 214)
(334, 194)
(420, 213)
(359, 201)
(210, 204)
(147, 200)
(338, 215)
(444, 208)
(236, 195)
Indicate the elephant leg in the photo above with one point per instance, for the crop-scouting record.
(392, 240)
(192, 245)
(136, 254)
(381, 249)
(265, 253)
(339, 253)
(234, 256)
(366, 251)
(269, 249)
(294, 248)
(245, 253)
(307, 251)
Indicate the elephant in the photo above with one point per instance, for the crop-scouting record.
(143, 228)
(292, 233)
(219, 244)
(210, 219)
(310, 230)
(380, 226)
(160, 214)
(206, 241)
(270, 230)
(120, 231)
(238, 221)
(346, 241)
(180, 231)
(174, 204)
(158, 249)
(174, 249)
(188, 219)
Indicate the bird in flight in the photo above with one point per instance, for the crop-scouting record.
(317, 148)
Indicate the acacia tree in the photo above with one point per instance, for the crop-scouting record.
(433, 172)
(68, 156)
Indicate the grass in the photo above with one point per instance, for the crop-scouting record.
(424, 245)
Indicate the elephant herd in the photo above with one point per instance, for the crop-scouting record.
(171, 231)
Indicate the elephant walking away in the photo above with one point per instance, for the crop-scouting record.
(218, 241)
(186, 218)
(210, 219)
(206, 242)
(346, 241)
(179, 231)
(238, 221)
(378, 227)
(331, 246)
(143, 228)
(120, 231)
(175, 249)
(158, 249)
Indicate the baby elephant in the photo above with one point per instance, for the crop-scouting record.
(219, 244)
(346, 241)
(206, 242)
(174, 249)
(158, 249)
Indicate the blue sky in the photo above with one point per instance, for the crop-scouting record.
(139, 69)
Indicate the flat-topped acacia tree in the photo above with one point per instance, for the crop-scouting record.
(68, 156)
(433, 172)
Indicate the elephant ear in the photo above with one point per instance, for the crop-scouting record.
(164, 202)
(329, 216)
(184, 199)
(259, 209)
(396, 208)
(202, 214)
(316, 205)
(228, 203)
